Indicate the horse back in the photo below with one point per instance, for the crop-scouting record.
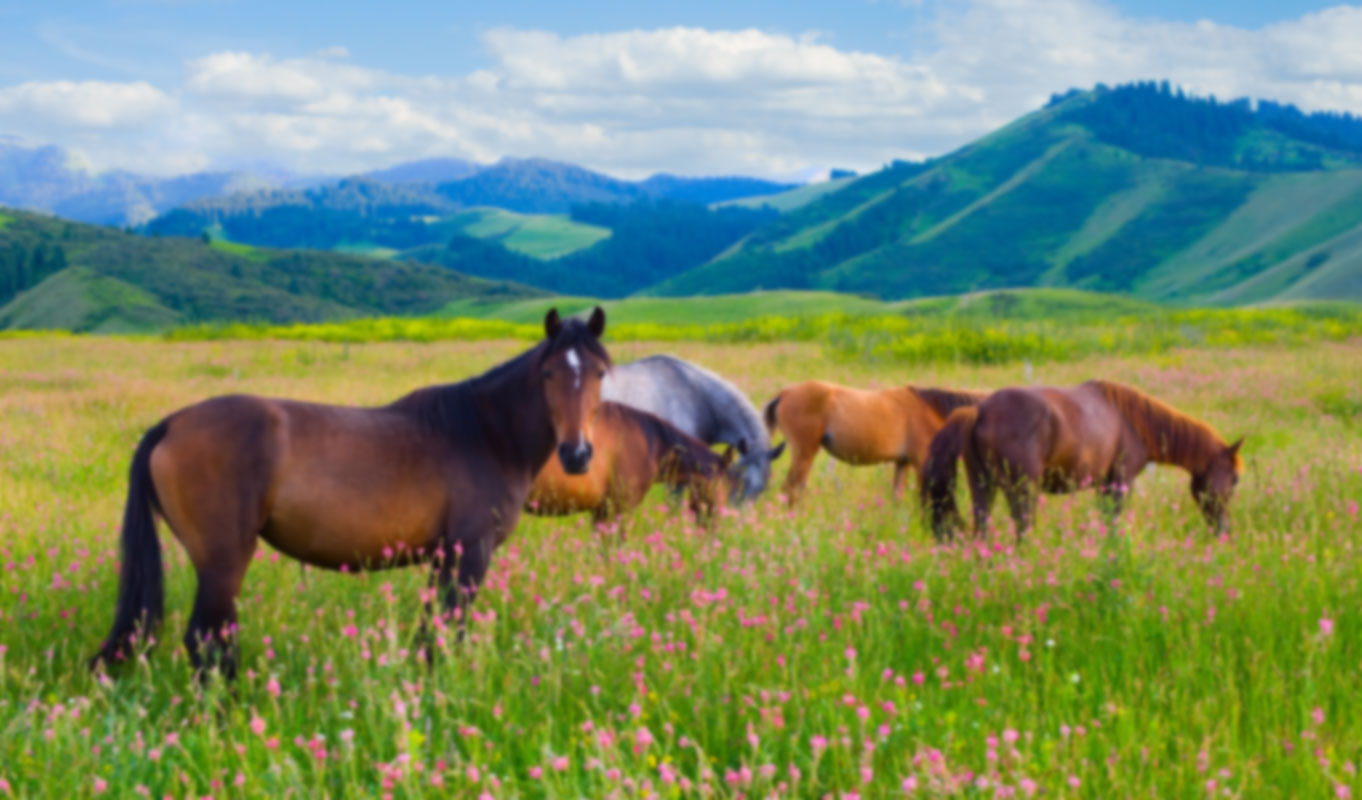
(1071, 432)
(330, 485)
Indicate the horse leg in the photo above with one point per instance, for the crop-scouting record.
(801, 461)
(473, 563)
(1111, 495)
(983, 489)
(210, 636)
(441, 579)
(900, 479)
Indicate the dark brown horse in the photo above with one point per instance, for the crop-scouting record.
(860, 426)
(634, 450)
(1097, 434)
(439, 474)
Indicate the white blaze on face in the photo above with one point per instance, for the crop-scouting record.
(576, 364)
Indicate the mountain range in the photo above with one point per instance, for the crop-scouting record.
(1136, 190)
(48, 179)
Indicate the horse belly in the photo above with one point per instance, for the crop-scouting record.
(864, 436)
(327, 523)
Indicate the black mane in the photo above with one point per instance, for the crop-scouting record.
(453, 411)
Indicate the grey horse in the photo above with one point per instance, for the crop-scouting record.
(703, 405)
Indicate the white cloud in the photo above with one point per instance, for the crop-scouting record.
(689, 100)
(87, 104)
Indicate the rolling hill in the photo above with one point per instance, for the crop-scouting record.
(59, 274)
(1136, 190)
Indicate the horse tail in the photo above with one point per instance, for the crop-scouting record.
(939, 470)
(769, 413)
(141, 584)
(945, 401)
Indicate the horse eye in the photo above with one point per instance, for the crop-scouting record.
(600, 373)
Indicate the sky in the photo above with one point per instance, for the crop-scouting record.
(771, 88)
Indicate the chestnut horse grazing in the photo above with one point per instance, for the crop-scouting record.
(633, 450)
(439, 474)
(860, 426)
(1055, 440)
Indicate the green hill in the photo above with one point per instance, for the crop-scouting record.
(1135, 190)
(536, 235)
(58, 274)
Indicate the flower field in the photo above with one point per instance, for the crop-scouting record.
(833, 650)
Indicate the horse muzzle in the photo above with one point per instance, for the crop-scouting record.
(575, 457)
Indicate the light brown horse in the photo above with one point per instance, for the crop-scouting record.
(439, 474)
(1097, 434)
(860, 426)
(634, 450)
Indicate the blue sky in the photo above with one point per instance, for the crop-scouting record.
(770, 88)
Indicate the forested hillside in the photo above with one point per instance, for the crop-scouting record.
(1137, 189)
(648, 242)
(55, 273)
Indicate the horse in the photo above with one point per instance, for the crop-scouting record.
(1058, 440)
(633, 450)
(703, 405)
(440, 475)
(860, 426)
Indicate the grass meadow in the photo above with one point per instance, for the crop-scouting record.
(832, 651)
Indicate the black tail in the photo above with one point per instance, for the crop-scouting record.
(770, 414)
(939, 471)
(141, 584)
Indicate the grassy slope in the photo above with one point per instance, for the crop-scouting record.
(1007, 304)
(223, 281)
(1043, 203)
(537, 235)
(791, 199)
(78, 299)
(679, 310)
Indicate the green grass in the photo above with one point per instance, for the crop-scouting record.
(77, 299)
(791, 199)
(367, 249)
(1054, 326)
(5, 219)
(220, 280)
(223, 245)
(677, 310)
(538, 235)
(827, 650)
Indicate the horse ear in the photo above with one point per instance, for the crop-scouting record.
(776, 451)
(552, 323)
(597, 322)
(1234, 448)
(727, 457)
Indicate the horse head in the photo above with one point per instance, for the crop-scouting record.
(751, 472)
(571, 367)
(1213, 485)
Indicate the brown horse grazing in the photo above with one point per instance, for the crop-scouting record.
(1100, 434)
(439, 474)
(634, 450)
(859, 426)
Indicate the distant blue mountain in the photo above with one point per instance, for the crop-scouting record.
(428, 170)
(45, 179)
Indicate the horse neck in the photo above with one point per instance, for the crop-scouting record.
(1169, 436)
(515, 414)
